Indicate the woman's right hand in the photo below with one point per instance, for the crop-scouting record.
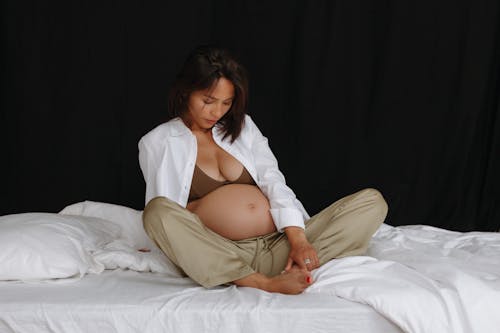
(302, 253)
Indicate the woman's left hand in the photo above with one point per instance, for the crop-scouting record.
(302, 253)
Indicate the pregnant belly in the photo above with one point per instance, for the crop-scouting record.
(235, 211)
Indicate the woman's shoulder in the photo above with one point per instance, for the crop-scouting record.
(248, 123)
(171, 128)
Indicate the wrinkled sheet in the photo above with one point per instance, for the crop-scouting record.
(129, 301)
(413, 279)
(424, 279)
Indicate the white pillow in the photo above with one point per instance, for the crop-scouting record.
(130, 220)
(39, 246)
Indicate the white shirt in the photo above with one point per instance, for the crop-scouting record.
(167, 156)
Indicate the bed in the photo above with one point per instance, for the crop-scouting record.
(413, 279)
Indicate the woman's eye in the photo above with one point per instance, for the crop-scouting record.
(207, 101)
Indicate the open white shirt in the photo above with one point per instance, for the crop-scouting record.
(167, 156)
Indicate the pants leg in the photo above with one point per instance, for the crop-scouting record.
(202, 254)
(342, 229)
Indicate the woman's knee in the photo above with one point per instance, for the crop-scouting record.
(154, 210)
(376, 201)
(379, 202)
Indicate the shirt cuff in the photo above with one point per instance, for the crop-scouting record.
(287, 217)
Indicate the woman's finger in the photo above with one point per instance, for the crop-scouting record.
(301, 263)
(289, 264)
(313, 261)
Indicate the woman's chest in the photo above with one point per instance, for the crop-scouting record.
(217, 162)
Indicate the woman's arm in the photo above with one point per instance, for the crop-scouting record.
(149, 168)
(286, 210)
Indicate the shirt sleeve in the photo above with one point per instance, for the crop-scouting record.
(149, 169)
(283, 201)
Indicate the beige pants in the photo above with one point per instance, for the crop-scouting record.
(342, 229)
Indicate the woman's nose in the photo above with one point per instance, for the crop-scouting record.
(218, 110)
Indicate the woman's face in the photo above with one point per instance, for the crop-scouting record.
(206, 107)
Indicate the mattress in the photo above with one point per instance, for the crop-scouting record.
(412, 279)
(130, 301)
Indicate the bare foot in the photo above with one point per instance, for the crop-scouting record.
(294, 281)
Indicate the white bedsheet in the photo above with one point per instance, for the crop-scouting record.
(129, 301)
(413, 279)
(424, 279)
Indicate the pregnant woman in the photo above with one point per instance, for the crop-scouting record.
(216, 203)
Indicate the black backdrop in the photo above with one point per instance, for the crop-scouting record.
(398, 95)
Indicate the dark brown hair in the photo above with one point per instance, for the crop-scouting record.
(204, 66)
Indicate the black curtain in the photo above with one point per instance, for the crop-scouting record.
(398, 95)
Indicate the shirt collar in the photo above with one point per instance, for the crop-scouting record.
(179, 128)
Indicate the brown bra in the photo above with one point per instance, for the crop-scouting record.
(203, 184)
